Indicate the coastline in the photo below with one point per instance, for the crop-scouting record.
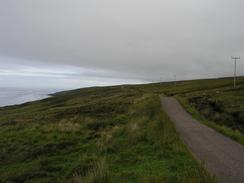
(13, 97)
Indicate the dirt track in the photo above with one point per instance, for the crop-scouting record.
(221, 155)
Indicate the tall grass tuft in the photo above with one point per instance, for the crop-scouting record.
(198, 174)
(97, 174)
(106, 144)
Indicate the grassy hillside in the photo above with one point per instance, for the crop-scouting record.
(110, 134)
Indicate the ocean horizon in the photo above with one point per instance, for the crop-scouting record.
(14, 96)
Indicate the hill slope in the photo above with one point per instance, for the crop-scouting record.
(110, 134)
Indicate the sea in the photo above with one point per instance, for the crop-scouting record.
(13, 96)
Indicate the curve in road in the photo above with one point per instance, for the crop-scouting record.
(221, 155)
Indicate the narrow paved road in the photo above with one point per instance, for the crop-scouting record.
(221, 155)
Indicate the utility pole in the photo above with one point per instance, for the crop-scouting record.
(175, 80)
(235, 58)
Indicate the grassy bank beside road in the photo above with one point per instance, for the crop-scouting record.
(107, 134)
(223, 126)
(214, 102)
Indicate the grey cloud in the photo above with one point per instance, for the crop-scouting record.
(140, 39)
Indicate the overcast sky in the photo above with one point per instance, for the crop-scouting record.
(77, 43)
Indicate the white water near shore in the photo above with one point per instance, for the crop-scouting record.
(12, 96)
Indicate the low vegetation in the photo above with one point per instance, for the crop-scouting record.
(96, 135)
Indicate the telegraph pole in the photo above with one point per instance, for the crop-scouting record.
(175, 80)
(235, 58)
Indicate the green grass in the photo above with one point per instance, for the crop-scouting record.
(114, 134)
(102, 134)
